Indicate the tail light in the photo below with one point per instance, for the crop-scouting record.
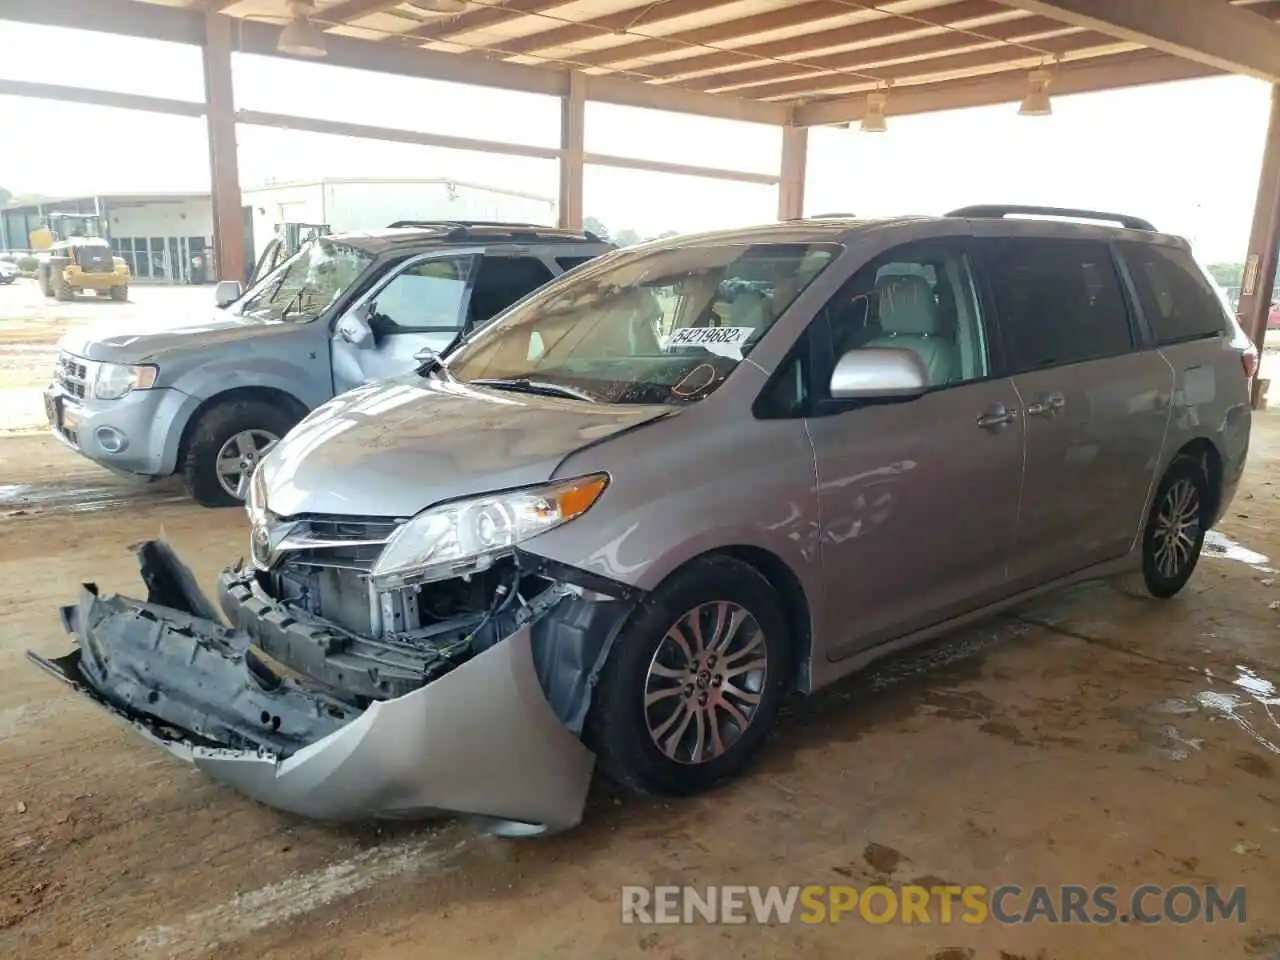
(1249, 359)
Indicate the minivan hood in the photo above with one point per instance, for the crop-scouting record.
(392, 448)
(135, 341)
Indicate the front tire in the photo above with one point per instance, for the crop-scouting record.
(693, 683)
(1176, 525)
(119, 294)
(226, 445)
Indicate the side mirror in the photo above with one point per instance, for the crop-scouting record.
(354, 327)
(227, 291)
(878, 374)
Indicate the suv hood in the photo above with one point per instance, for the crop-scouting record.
(393, 448)
(140, 340)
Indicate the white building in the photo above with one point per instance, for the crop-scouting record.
(374, 203)
(168, 238)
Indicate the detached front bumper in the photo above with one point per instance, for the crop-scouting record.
(482, 739)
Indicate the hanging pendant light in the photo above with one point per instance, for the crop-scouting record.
(300, 36)
(873, 119)
(1036, 103)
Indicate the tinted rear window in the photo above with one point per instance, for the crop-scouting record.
(1177, 301)
(1060, 301)
(568, 263)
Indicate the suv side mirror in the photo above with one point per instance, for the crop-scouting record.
(354, 327)
(227, 291)
(878, 374)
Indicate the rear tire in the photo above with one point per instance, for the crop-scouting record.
(1176, 525)
(651, 690)
(213, 438)
(62, 290)
(119, 294)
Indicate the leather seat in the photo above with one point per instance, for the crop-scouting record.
(909, 319)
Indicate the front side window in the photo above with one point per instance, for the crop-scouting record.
(1060, 301)
(920, 298)
(650, 326)
(428, 295)
(305, 285)
(1177, 301)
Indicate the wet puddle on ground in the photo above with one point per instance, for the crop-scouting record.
(1240, 705)
(1217, 544)
(21, 499)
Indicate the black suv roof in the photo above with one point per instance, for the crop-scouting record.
(419, 233)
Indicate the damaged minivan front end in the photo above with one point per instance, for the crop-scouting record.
(332, 697)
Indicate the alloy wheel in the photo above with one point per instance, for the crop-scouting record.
(705, 682)
(1177, 528)
(238, 458)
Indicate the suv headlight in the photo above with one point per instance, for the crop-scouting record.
(114, 380)
(467, 536)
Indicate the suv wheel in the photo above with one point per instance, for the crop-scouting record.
(693, 683)
(226, 445)
(1175, 527)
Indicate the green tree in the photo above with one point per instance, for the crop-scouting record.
(626, 237)
(592, 225)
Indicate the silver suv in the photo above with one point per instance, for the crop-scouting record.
(627, 518)
(207, 399)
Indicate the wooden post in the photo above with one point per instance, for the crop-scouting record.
(224, 168)
(795, 152)
(1264, 236)
(573, 118)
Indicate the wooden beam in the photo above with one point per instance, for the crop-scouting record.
(630, 93)
(347, 10)
(1218, 35)
(680, 169)
(1102, 73)
(818, 83)
(919, 50)
(120, 17)
(100, 98)
(813, 14)
(340, 128)
(1264, 235)
(620, 21)
(573, 120)
(224, 167)
(795, 154)
(480, 19)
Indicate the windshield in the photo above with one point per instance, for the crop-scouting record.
(649, 326)
(302, 287)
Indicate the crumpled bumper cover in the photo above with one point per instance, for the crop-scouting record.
(480, 740)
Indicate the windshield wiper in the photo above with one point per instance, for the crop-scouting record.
(525, 385)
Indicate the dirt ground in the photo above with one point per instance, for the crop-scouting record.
(1096, 736)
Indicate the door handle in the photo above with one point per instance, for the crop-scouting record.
(1048, 406)
(997, 419)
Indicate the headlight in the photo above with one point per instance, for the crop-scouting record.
(114, 380)
(468, 535)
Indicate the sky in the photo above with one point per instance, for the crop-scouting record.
(1185, 155)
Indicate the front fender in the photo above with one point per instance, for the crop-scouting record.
(309, 384)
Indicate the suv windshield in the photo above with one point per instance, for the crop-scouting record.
(302, 287)
(648, 326)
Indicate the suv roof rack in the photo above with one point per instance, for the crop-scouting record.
(998, 211)
(460, 229)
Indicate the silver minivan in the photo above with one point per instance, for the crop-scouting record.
(628, 517)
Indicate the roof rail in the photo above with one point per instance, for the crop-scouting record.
(998, 211)
(458, 229)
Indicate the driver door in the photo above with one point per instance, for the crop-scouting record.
(421, 305)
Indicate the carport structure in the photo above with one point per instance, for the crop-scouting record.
(789, 63)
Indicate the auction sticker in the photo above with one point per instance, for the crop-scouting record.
(710, 336)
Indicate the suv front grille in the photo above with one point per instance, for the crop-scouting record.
(71, 374)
